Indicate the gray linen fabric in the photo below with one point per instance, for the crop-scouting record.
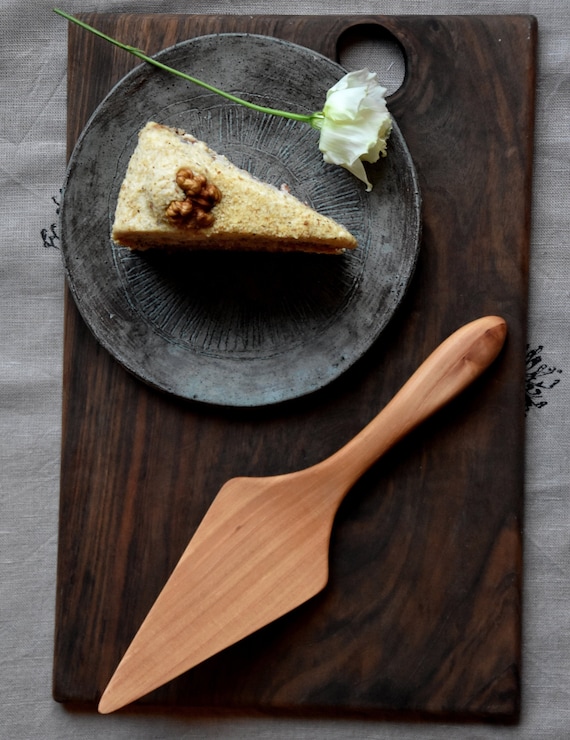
(32, 164)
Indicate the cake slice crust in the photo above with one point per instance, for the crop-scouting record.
(179, 194)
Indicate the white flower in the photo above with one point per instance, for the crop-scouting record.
(354, 123)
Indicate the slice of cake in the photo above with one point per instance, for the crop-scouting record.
(180, 194)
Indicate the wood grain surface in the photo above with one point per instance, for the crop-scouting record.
(422, 613)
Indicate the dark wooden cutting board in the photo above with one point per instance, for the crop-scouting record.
(422, 615)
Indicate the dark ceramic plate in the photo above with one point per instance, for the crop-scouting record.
(238, 329)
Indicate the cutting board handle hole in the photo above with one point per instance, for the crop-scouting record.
(373, 46)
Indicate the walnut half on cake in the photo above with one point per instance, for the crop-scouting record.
(180, 194)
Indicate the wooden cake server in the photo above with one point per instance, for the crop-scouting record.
(262, 548)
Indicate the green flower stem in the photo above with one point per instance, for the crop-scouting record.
(312, 119)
